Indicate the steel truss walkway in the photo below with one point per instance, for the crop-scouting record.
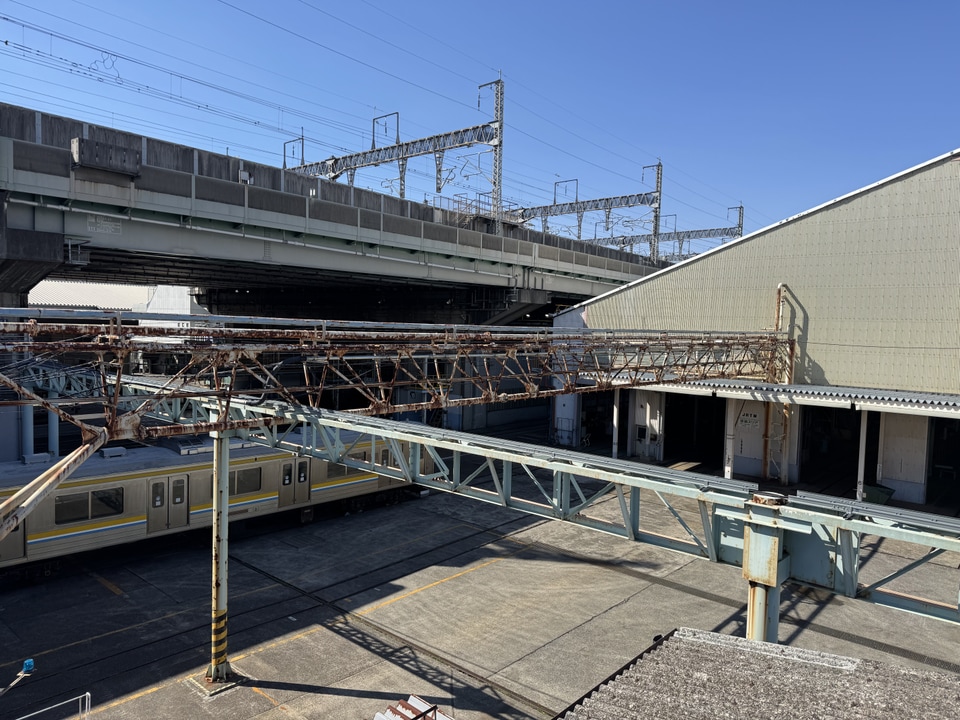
(808, 539)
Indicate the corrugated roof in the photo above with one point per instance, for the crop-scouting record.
(697, 675)
(746, 238)
(902, 401)
(92, 296)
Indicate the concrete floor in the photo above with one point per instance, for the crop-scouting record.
(484, 611)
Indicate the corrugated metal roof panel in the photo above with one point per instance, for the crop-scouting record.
(694, 675)
(856, 398)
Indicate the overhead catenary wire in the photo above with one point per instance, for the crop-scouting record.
(247, 97)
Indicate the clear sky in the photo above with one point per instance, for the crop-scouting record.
(780, 106)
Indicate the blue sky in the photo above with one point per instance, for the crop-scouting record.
(780, 106)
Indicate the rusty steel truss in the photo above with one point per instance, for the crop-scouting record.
(806, 539)
(363, 368)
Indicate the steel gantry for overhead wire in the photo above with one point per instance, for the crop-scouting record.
(579, 207)
(657, 239)
(488, 133)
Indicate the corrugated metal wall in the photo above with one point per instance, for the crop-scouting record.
(873, 287)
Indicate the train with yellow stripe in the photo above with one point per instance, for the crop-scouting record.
(122, 495)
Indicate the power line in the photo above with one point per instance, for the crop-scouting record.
(343, 54)
(238, 117)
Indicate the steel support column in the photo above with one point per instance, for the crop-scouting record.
(762, 552)
(219, 670)
(53, 428)
(616, 422)
(26, 430)
(730, 424)
(862, 457)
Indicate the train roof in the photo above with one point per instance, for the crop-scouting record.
(124, 460)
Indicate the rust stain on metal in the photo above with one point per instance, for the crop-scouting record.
(769, 498)
(375, 362)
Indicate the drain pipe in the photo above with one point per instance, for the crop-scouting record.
(779, 312)
(785, 441)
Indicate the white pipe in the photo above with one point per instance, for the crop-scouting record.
(862, 462)
(616, 421)
(729, 437)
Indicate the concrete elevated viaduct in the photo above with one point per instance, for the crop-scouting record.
(85, 202)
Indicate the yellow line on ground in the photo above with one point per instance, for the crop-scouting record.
(390, 601)
(261, 692)
(107, 584)
(128, 698)
(276, 643)
(136, 626)
(284, 641)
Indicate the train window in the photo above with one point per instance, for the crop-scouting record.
(248, 481)
(302, 472)
(178, 491)
(208, 485)
(335, 470)
(106, 502)
(287, 474)
(70, 508)
(157, 491)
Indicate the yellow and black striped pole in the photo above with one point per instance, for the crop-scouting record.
(219, 670)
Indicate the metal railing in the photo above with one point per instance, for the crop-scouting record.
(82, 703)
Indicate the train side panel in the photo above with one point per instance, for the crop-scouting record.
(97, 512)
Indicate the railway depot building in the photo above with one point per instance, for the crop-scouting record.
(867, 288)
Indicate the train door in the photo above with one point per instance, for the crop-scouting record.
(303, 481)
(286, 491)
(168, 506)
(12, 546)
(294, 483)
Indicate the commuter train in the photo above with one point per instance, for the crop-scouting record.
(123, 495)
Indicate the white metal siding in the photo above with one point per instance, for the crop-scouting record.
(873, 287)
